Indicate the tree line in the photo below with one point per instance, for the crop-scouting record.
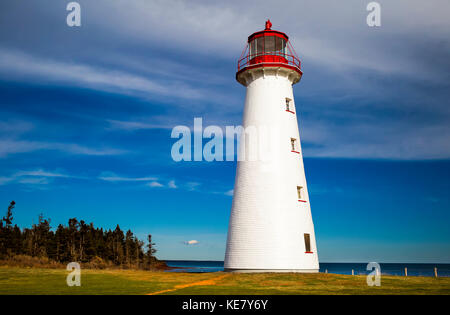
(76, 241)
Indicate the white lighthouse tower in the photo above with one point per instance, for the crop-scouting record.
(271, 227)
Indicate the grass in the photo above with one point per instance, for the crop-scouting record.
(15, 280)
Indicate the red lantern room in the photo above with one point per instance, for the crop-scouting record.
(268, 49)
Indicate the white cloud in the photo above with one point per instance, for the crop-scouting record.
(33, 177)
(191, 242)
(17, 65)
(111, 177)
(5, 180)
(154, 184)
(183, 23)
(352, 43)
(34, 181)
(172, 184)
(395, 141)
(135, 125)
(82, 150)
(23, 146)
(151, 181)
(41, 173)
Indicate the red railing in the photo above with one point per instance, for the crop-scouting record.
(272, 57)
(269, 58)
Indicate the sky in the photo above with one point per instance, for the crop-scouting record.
(86, 115)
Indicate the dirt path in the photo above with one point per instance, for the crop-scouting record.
(211, 281)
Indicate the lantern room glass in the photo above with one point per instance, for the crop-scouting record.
(267, 45)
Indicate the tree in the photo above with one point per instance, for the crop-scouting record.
(150, 251)
(84, 229)
(6, 232)
(129, 247)
(150, 246)
(16, 240)
(119, 243)
(42, 237)
(9, 215)
(72, 239)
(61, 243)
(139, 252)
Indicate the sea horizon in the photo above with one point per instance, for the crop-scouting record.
(344, 268)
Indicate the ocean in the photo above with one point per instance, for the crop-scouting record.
(394, 269)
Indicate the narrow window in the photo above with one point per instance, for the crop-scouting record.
(307, 243)
(280, 45)
(288, 104)
(253, 48)
(299, 192)
(259, 45)
(294, 144)
(269, 44)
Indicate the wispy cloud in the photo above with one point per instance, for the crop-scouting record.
(34, 181)
(34, 177)
(135, 125)
(23, 146)
(147, 18)
(111, 177)
(172, 184)
(17, 65)
(5, 180)
(154, 184)
(396, 141)
(20, 146)
(149, 181)
(41, 173)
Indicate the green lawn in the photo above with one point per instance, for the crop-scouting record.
(53, 281)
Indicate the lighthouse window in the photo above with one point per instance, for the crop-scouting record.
(299, 192)
(253, 48)
(280, 45)
(269, 46)
(294, 144)
(307, 243)
(259, 45)
(288, 104)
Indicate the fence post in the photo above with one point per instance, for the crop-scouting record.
(435, 272)
(353, 272)
(406, 272)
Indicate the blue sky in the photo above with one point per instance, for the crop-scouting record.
(86, 116)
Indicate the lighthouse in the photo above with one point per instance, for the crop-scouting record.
(271, 227)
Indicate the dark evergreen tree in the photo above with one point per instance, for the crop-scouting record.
(9, 215)
(6, 232)
(150, 246)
